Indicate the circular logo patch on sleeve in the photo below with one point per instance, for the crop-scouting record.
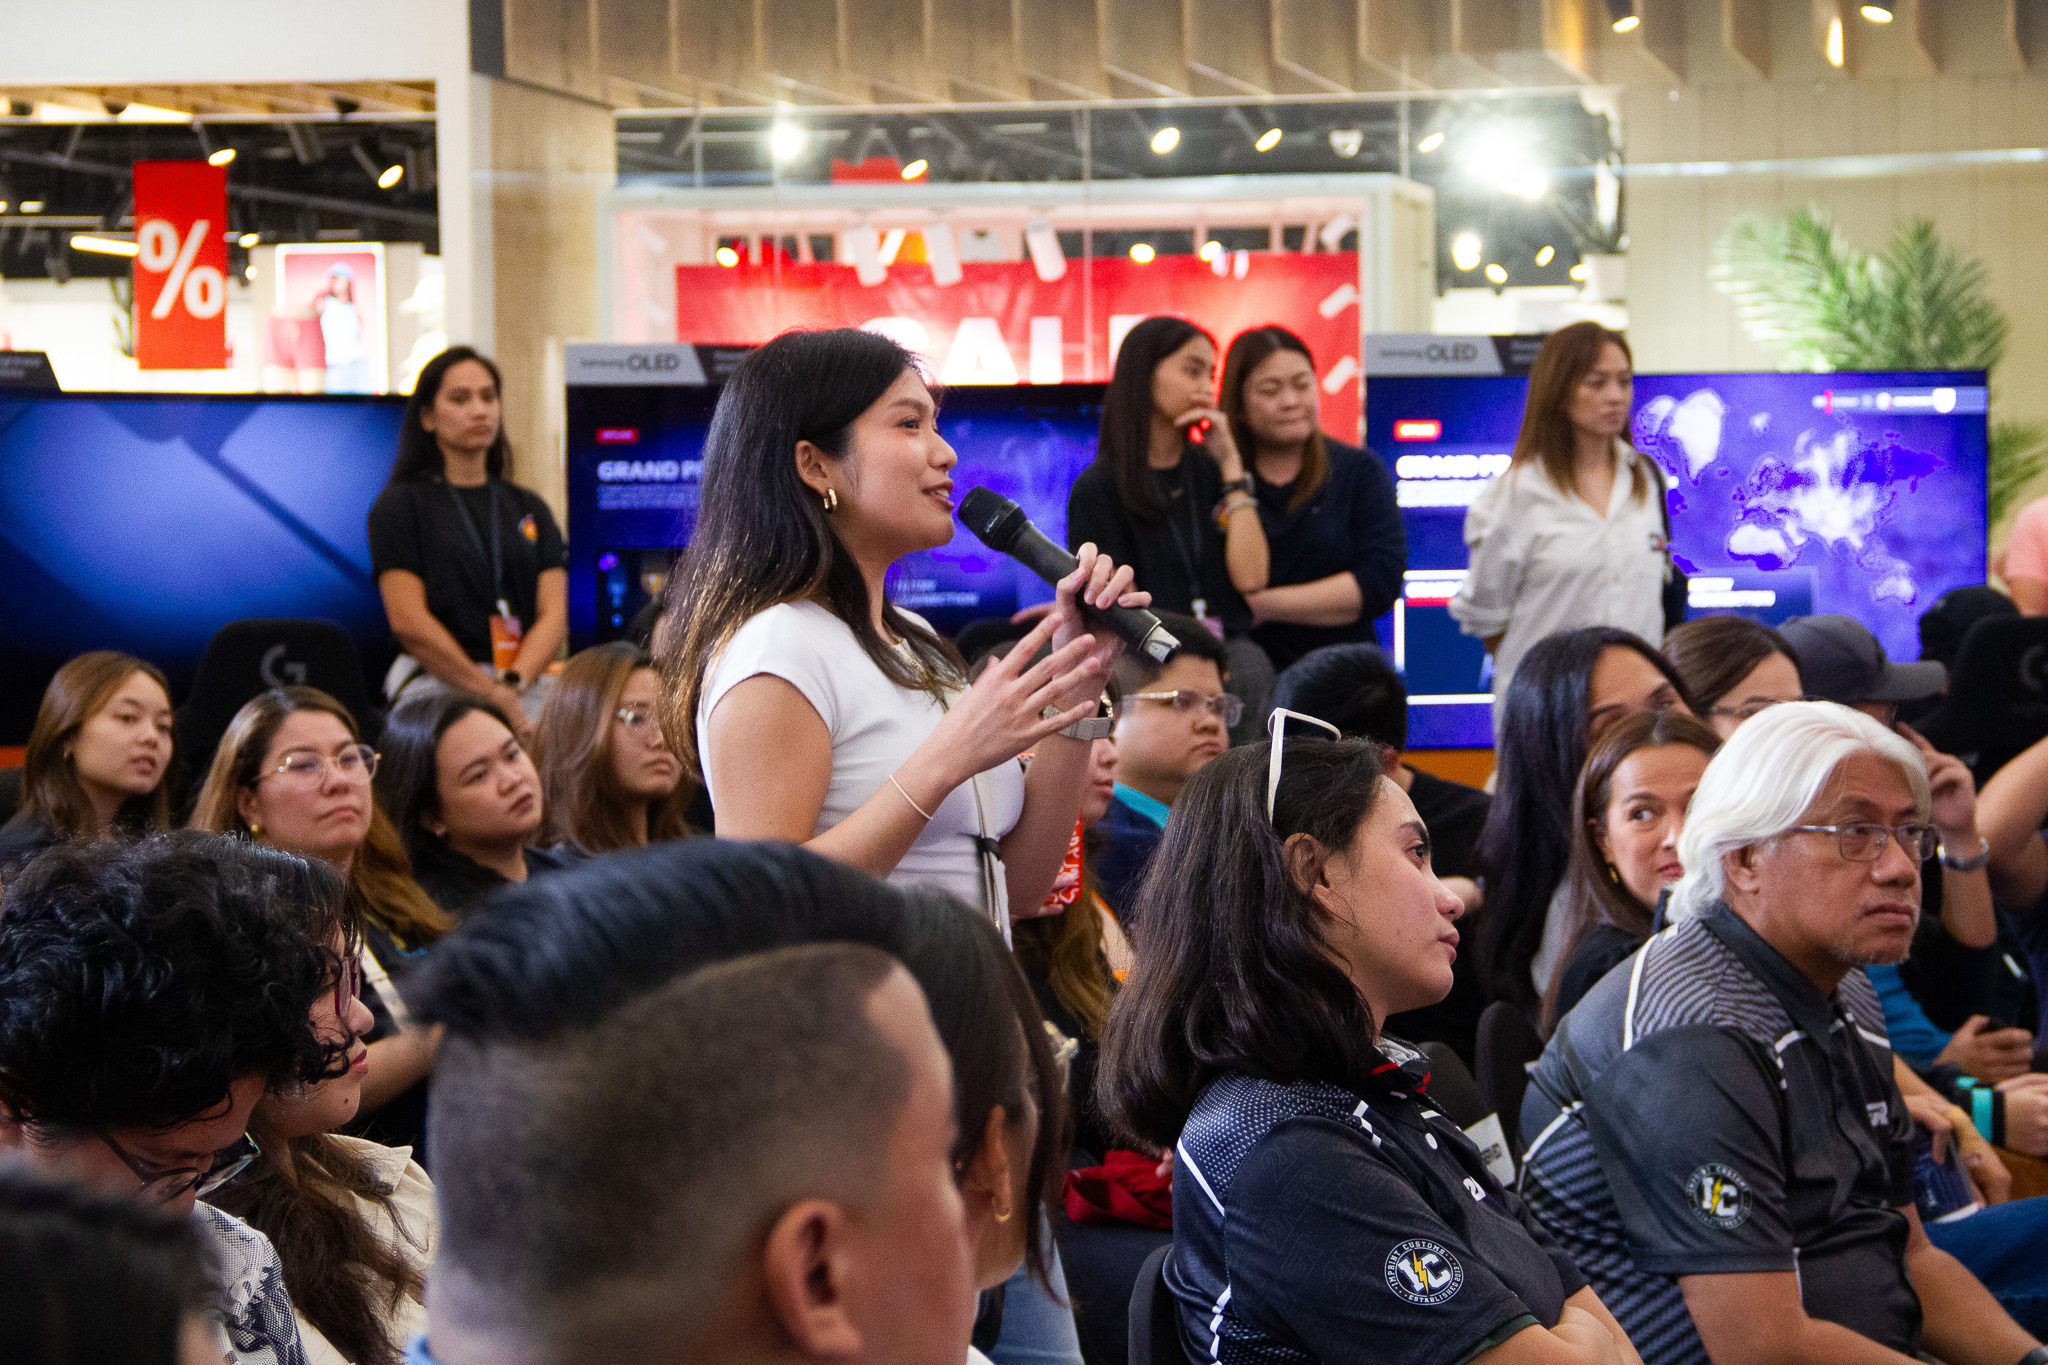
(1718, 1197)
(1424, 1273)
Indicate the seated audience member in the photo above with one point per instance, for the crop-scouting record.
(94, 1279)
(352, 1221)
(1939, 987)
(1567, 690)
(1627, 813)
(608, 779)
(97, 758)
(538, 977)
(464, 796)
(133, 1047)
(1732, 668)
(292, 772)
(1323, 1209)
(1715, 1134)
(1173, 718)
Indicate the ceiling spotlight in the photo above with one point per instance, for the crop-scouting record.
(1628, 23)
(1836, 56)
(105, 246)
(1430, 142)
(1545, 256)
(1495, 273)
(31, 206)
(393, 173)
(221, 157)
(1465, 248)
(1268, 140)
(1579, 271)
(1346, 142)
(1500, 155)
(727, 256)
(1166, 139)
(786, 141)
(1211, 249)
(249, 239)
(916, 169)
(1877, 14)
(1143, 253)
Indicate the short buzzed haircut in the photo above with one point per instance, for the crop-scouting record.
(656, 1146)
(1135, 671)
(1355, 687)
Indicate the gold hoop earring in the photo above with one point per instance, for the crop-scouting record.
(831, 501)
(1005, 1215)
(1614, 874)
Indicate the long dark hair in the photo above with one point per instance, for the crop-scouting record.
(301, 1193)
(1234, 968)
(572, 746)
(1546, 438)
(50, 788)
(1248, 351)
(1714, 653)
(1597, 894)
(1125, 437)
(1525, 844)
(408, 780)
(419, 454)
(762, 536)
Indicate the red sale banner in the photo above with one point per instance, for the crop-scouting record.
(181, 265)
(1002, 324)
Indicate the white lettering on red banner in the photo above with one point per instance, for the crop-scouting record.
(181, 265)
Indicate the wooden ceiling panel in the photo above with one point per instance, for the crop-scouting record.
(1229, 46)
(974, 45)
(889, 42)
(1315, 44)
(1059, 47)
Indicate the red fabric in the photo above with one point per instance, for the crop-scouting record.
(1125, 1189)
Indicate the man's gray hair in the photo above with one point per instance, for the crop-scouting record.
(1767, 777)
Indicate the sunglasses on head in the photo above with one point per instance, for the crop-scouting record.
(1276, 732)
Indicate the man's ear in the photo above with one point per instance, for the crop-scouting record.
(990, 1177)
(814, 467)
(805, 1270)
(1743, 869)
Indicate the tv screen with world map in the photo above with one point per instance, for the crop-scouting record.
(1791, 494)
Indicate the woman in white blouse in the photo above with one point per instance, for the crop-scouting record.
(819, 713)
(1572, 533)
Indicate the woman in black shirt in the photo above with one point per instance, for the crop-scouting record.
(1168, 494)
(1322, 1208)
(1333, 527)
(470, 565)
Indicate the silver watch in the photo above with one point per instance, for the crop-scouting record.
(1969, 864)
(1093, 728)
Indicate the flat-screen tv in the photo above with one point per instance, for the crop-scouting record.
(636, 459)
(1792, 494)
(145, 522)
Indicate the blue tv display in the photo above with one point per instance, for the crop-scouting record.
(145, 522)
(1792, 494)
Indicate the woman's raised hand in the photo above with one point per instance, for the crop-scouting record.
(1216, 442)
(1095, 582)
(999, 717)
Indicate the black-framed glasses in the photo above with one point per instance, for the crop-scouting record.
(1276, 735)
(1224, 706)
(227, 1163)
(356, 762)
(1863, 842)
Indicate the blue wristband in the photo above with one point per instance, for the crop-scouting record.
(1980, 1110)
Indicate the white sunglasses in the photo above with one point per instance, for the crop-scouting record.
(1276, 734)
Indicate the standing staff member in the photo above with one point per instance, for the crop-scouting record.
(1572, 534)
(471, 565)
(1332, 525)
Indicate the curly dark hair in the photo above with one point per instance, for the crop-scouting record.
(138, 981)
(93, 1279)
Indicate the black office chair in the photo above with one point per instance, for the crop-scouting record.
(1452, 1087)
(1155, 1320)
(1997, 702)
(1507, 1044)
(246, 658)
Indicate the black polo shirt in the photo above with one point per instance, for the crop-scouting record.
(1706, 1110)
(1352, 524)
(1177, 556)
(443, 534)
(1314, 1224)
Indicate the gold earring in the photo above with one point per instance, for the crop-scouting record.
(1005, 1215)
(831, 501)
(1614, 874)
(255, 829)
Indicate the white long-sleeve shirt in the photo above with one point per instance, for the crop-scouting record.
(1542, 560)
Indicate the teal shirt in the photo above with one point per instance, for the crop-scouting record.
(1155, 811)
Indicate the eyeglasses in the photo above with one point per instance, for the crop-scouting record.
(227, 1163)
(1743, 714)
(1276, 734)
(1865, 843)
(1223, 706)
(347, 984)
(357, 762)
(633, 717)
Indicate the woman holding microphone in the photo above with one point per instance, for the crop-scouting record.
(819, 713)
(470, 565)
(1572, 533)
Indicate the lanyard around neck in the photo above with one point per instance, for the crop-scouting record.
(494, 557)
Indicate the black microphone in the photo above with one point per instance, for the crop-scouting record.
(1002, 526)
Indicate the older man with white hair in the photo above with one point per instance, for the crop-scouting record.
(1715, 1134)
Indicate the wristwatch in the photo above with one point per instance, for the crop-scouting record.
(1969, 864)
(1243, 485)
(1095, 727)
(510, 677)
(2037, 1356)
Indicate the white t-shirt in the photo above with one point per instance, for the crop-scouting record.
(874, 725)
(1542, 561)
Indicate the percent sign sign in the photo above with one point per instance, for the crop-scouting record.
(181, 265)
